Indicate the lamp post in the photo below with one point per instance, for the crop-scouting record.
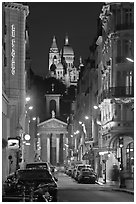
(129, 59)
(104, 171)
(122, 180)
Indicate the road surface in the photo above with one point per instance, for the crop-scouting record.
(70, 191)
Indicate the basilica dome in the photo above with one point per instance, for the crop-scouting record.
(59, 65)
(67, 50)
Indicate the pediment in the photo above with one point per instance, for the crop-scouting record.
(52, 123)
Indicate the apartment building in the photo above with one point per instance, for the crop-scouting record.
(116, 88)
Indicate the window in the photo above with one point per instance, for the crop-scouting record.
(119, 48)
(52, 105)
(129, 82)
(126, 48)
(128, 17)
(118, 17)
(130, 157)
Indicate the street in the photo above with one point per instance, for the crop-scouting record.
(70, 191)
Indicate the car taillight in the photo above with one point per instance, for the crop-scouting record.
(19, 186)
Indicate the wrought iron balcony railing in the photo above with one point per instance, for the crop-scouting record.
(117, 92)
(124, 26)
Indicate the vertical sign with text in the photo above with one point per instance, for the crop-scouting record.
(13, 49)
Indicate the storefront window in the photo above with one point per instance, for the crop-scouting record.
(130, 157)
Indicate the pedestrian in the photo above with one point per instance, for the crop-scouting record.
(115, 173)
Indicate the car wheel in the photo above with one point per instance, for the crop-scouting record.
(79, 180)
(54, 199)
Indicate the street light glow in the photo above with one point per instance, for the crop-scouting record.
(129, 59)
(86, 117)
(30, 107)
(27, 137)
(34, 118)
(27, 99)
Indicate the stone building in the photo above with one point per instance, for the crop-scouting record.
(108, 86)
(52, 133)
(116, 88)
(13, 81)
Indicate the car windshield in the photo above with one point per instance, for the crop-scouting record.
(86, 170)
(80, 167)
(37, 165)
(34, 175)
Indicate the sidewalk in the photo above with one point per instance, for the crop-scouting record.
(114, 186)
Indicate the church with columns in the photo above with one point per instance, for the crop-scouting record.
(52, 141)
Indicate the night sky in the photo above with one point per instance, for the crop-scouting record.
(46, 19)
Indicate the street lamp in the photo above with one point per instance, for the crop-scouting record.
(86, 117)
(122, 180)
(129, 59)
(27, 99)
(30, 107)
(95, 107)
(34, 118)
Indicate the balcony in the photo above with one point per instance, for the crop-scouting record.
(124, 27)
(117, 92)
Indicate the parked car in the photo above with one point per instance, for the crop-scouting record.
(79, 167)
(69, 172)
(73, 172)
(37, 165)
(86, 175)
(31, 177)
(9, 185)
(54, 171)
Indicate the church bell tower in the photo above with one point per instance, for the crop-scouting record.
(52, 103)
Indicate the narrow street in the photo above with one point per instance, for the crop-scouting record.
(70, 191)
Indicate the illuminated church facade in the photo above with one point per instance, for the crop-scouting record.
(61, 63)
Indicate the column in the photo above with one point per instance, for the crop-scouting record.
(65, 148)
(53, 149)
(48, 149)
(122, 112)
(61, 149)
(57, 148)
(43, 148)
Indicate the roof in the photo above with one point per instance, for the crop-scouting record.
(59, 65)
(54, 44)
(67, 50)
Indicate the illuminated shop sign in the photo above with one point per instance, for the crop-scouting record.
(13, 49)
(13, 143)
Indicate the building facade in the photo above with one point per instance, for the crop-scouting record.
(52, 133)
(13, 81)
(83, 129)
(105, 93)
(116, 88)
